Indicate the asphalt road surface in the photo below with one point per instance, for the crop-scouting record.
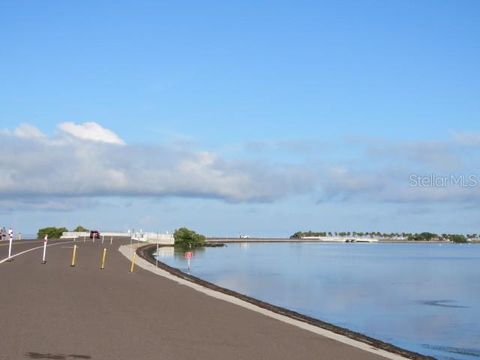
(55, 311)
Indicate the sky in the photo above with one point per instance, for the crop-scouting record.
(240, 117)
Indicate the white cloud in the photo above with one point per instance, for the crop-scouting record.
(79, 167)
(383, 173)
(91, 131)
(429, 154)
(85, 161)
(28, 131)
(391, 184)
(467, 138)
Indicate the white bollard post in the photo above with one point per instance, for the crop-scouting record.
(111, 240)
(103, 238)
(44, 257)
(10, 249)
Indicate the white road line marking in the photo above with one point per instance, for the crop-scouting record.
(26, 251)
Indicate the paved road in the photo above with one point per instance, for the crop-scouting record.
(54, 311)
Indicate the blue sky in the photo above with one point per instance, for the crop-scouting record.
(311, 114)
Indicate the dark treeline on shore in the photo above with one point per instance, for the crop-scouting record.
(188, 239)
(424, 236)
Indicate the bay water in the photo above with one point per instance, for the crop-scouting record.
(422, 297)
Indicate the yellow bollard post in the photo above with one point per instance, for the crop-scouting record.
(74, 255)
(133, 262)
(103, 258)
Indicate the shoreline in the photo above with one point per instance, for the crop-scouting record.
(146, 253)
(227, 240)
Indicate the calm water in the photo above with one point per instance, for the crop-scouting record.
(423, 297)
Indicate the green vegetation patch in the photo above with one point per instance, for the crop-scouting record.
(188, 239)
(80, 228)
(52, 232)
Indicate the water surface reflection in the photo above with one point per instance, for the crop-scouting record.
(423, 297)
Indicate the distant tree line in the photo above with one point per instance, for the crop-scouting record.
(458, 238)
(56, 232)
(427, 236)
(424, 236)
(300, 234)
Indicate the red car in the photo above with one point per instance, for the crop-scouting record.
(94, 234)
